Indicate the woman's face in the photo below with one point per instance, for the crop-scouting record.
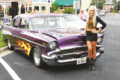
(92, 12)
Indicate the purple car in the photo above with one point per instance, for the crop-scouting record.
(46, 38)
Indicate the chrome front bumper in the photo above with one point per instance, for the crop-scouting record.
(52, 62)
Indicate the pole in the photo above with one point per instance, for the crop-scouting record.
(76, 8)
(97, 4)
(4, 9)
(116, 7)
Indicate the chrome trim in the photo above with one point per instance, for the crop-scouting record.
(44, 56)
(58, 50)
(67, 60)
(98, 45)
(51, 52)
(73, 47)
(28, 40)
(73, 53)
(70, 47)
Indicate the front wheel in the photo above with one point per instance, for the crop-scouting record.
(9, 45)
(37, 58)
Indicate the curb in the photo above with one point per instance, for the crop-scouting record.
(3, 48)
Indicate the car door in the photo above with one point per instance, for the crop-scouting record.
(14, 31)
(21, 41)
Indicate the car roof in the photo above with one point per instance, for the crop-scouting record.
(32, 15)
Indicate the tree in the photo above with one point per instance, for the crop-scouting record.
(54, 6)
(115, 3)
(99, 2)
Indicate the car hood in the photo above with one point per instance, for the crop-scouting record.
(79, 25)
(66, 36)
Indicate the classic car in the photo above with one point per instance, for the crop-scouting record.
(102, 12)
(74, 21)
(46, 38)
(119, 12)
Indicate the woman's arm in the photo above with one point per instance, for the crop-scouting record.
(101, 22)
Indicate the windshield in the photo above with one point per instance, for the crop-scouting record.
(47, 22)
(70, 18)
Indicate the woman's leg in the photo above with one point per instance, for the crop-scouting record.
(89, 45)
(94, 43)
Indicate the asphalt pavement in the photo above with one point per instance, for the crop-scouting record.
(107, 66)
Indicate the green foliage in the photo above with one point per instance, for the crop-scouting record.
(114, 2)
(117, 6)
(2, 43)
(69, 11)
(100, 3)
(54, 6)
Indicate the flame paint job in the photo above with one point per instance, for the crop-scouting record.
(24, 46)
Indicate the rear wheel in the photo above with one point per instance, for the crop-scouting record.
(37, 58)
(9, 45)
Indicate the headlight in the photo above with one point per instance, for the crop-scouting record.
(52, 45)
(99, 40)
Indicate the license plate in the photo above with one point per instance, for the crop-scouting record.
(81, 60)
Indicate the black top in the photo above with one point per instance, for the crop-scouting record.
(101, 21)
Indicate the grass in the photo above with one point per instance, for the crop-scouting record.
(2, 42)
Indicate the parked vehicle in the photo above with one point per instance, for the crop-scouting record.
(119, 12)
(74, 21)
(8, 20)
(102, 12)
(46, 38)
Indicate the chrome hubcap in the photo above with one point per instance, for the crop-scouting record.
(37, 57)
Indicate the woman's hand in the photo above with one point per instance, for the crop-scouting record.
(95, 31)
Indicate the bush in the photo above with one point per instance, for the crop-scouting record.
(69, 11)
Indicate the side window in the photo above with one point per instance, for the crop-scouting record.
(16, 22)
(23, 24)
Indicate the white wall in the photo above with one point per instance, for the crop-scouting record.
(85, 4)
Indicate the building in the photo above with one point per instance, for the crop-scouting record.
(69, 3)
(6, 4)
(108, 6)
(41, 6)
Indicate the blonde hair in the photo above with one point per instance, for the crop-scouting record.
(94, 17)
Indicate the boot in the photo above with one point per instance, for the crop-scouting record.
(89, 64)
(93, 67)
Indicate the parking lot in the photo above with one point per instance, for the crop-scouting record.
(107, 65)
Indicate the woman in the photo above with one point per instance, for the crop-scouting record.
(91, 35)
